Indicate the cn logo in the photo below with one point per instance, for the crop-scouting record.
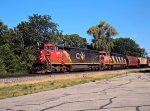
(80, 56)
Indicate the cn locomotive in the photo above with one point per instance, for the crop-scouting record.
(55, 58)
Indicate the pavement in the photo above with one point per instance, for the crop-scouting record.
(129, 92)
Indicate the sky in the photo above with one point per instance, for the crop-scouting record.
(131, 18)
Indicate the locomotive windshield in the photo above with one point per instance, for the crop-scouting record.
(46, 47)
(49, 48)
(103, 54)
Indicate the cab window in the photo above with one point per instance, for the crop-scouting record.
(103, 54)
(46, 47)
(51, 48)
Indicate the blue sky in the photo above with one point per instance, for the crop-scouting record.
(131, 18)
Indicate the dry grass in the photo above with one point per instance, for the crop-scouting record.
(29, 87)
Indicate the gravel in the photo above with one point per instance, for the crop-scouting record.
(43, 76)
(22, 79)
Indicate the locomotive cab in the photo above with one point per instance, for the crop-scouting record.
(43, 51)
(45, 56)
(48, 53)
(105, 56)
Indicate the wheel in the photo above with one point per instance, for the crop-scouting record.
(63, 69)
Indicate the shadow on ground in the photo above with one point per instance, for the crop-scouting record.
(145, 71)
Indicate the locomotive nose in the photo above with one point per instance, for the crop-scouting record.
(38, 56)
(48, 53)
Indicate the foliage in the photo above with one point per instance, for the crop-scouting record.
(4, 34)
(128, 46)
(2, 67)
(39, 29)
(17, 45)
(6, 58)
(9, 58)
(102, 36)
(74, 40)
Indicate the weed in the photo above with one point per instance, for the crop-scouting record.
(51, 83)
(25, 87)
(63, 86)
(93, 80)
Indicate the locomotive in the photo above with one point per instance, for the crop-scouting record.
(113, 60)
(55, 58)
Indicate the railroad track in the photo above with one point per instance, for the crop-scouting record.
(32, 77)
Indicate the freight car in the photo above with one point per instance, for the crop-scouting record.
(148, 62)
(53, 58)
(132, 61)
(113, 60)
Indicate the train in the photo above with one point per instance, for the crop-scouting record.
(51, 58)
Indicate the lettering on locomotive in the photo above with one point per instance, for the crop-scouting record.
(80, 56)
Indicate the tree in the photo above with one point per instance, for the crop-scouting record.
(102, 36)
(2, 67)
(6, 55)
(27, 36)
(23, 46)
(127, 46)
(4, 34)
(39, 29)
(74, 40)
(25, 33)
(10, 60)
(45, 28)
(17, 45)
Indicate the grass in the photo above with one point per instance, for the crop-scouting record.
(16, 74)
(19, 89)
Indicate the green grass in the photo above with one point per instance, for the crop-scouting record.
(24, 89)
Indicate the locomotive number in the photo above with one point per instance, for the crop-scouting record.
(80, 56)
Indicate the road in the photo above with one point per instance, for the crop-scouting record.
(129, 92)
